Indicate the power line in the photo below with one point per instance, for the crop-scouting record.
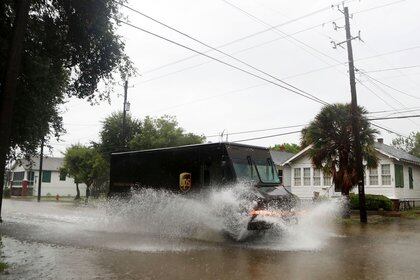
(388, 86)
(236, 52)
(222, 52)
(393, 118)
(242, 38)
(268, 136)
(392, 69)
(389, 130)
(378, 7)
(257, 130)
(311, 97)
(259, 32)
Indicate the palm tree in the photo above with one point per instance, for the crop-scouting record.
(332, 144)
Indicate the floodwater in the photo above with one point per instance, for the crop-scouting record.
(157, 235)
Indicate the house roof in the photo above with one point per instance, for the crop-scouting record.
(382, 148)
(279, 157)
(49, 163)
(395, 153)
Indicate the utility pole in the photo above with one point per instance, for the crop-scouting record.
(354, 115)
(9, 84)
(41, 159)
(124, 114)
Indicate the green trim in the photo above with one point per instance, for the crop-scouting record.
(399, 176)
(46, 176)
(410, 177)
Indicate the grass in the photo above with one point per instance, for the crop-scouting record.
(411, 214)
(3, 266)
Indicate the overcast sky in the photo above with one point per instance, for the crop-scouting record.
(208, 97)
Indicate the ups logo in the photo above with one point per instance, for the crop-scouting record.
(185, 181)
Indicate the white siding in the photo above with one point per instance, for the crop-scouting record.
(380, 189)
(406, 192)
(62, 188)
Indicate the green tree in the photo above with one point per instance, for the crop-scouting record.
(111, 133)
(86, 165)
(410, 144)
(332, 146)
(287, 147)
(69, 47)
(147, 134)
(162, 132)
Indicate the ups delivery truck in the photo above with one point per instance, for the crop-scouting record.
(194, 168)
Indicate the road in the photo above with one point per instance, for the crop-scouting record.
(52, 240)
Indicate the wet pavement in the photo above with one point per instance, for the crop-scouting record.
(65, 241)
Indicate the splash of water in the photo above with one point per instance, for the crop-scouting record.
(157, 220)
(221, 212)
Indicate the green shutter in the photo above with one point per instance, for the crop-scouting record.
(410, 177)
(46, 176)
(399, 176)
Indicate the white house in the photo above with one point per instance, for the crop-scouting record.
(53, 182)
(396, 176)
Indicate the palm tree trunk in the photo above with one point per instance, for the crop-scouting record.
(346, 203)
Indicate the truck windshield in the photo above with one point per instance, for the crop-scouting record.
(259, 170)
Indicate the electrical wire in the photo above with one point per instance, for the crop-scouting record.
(222, 52)
(257, 130)
(267, 136)
(302, 93)
(392, 69)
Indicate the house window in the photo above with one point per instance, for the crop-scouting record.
(327, 180)
(373, 176)
(306, 176)
(317, 177)
(280, 173)
(386, 174)
(18, 178)
(46, 176)
(399, 176)
(296, 177)
(63, 175)
(31, 178)
(410, 177)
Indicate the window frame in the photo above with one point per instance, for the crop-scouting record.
(305, 178)
(386, 175)
(62, 176)
(373, 176)
(297, 176)
(46, 178)
(316, 179)
(280, 174)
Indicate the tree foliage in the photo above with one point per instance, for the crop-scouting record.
(86, 165)
(69, 48)
(143, 134)
(332, 143)
(410, 144)
(111, 138)
(287, 147)
(162, 132)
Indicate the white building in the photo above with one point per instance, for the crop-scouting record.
(53, 182)
(396, 176)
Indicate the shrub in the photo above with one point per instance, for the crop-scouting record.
(7, 192)
(373, 202)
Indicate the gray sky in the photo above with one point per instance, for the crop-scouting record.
(208, 97)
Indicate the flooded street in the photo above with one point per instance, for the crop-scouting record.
(52, 240)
